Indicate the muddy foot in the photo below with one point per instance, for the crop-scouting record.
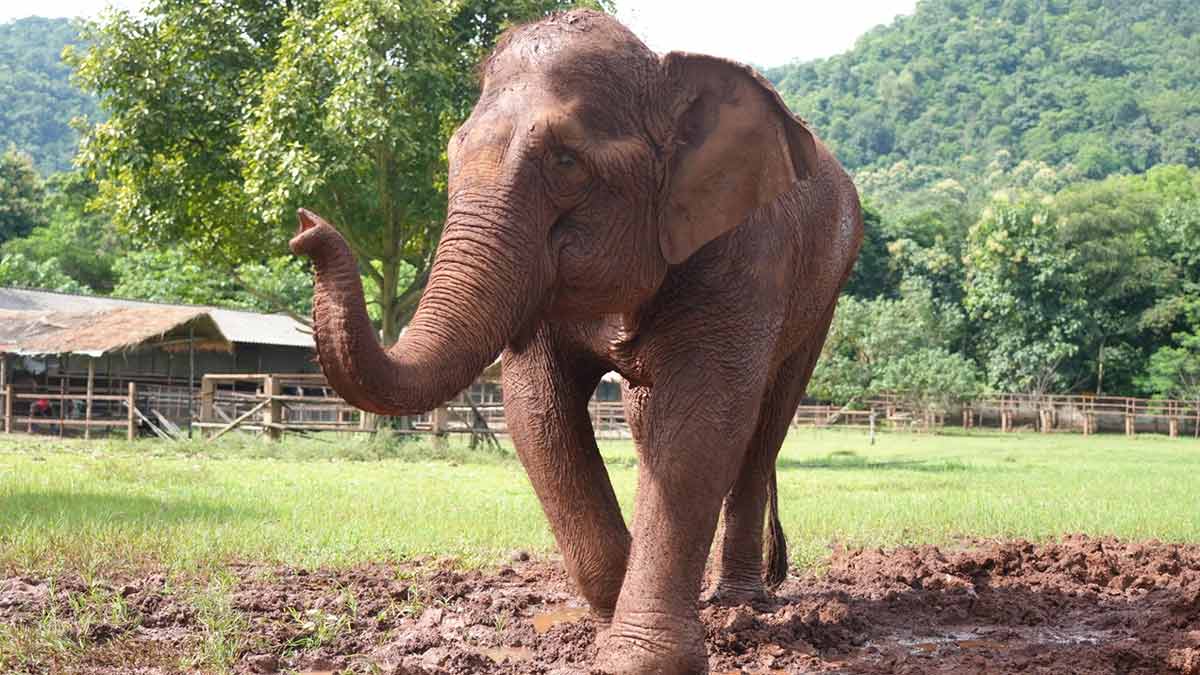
(636, 650)
(729, 594)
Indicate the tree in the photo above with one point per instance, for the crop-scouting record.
(224, 118)
(872, 276)
(1174, 372)
(1108, 227)
(930, 378)
(176, 275)
(21, 195)
(1023, 293)
(883, 345)
(17, 270)
(82, 243)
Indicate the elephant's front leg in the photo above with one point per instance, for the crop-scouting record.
(695, 427)
(547, 386)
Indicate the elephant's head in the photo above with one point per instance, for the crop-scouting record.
(587, 168)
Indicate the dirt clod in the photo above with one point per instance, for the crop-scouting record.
(1081, 605)
(263, 663)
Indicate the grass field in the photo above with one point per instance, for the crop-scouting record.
(103, 505)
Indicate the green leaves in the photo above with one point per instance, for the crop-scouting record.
(1022, 292)
(22, 272)
(1174, 371)
(176, 274)
(889, 345)
(21, 194)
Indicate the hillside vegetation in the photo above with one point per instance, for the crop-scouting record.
(37, 98)
(965, 88)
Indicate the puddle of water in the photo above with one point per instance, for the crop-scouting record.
(981, 644)
(972, 640)
(512, 654)
(547, 620)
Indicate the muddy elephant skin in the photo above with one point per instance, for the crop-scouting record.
(610, 209)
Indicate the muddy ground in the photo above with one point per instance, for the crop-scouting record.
(1079, 606)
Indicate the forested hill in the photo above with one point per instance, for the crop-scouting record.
(1095, 86)
(37, 99)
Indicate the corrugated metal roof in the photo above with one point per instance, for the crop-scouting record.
(236, 326)
(35, 333)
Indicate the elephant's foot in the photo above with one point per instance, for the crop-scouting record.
(738, 583)
(732, 592)
(600, 586)
(662, 645)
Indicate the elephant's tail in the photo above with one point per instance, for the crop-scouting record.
(777, 556)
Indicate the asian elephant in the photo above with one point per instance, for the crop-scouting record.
(610, 209)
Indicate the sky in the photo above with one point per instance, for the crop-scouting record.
(760, 32)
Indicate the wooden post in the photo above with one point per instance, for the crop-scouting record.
(191, 377)
(1130, 425)
(8, 406)
(438, 420)
(132, 419)
(872, 427)
(1173, 424)
(208, 395)
(62, 404)
(91, 390)
(274, 412)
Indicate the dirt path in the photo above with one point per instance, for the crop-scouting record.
(1080, 606)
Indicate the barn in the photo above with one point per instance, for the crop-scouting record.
(61, 347)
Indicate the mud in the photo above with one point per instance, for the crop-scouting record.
(1082, 605)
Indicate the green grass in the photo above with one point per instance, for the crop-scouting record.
(94, 505)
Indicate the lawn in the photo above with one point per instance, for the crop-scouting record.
(103, 505)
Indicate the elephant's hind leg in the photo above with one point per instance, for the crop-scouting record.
(547, 386)
(739, 558)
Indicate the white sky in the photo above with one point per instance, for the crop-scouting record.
(762, 32)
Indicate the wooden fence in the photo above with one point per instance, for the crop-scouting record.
(89, 411)
(274, 404)
(1017, 412)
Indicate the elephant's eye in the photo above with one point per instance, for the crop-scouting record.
(565, 160)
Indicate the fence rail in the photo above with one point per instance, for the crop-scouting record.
(1013, 412)
(85, 414)
(277, 404)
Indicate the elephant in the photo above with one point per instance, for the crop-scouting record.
(613, 210)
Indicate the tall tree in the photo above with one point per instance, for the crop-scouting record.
(1023, 293)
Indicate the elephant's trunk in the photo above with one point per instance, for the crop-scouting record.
(478, 297)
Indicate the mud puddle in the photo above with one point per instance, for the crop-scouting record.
(1083, 605)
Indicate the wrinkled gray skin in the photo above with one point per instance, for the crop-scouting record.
(612, 210)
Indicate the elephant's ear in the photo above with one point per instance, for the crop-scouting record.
(736, 147)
